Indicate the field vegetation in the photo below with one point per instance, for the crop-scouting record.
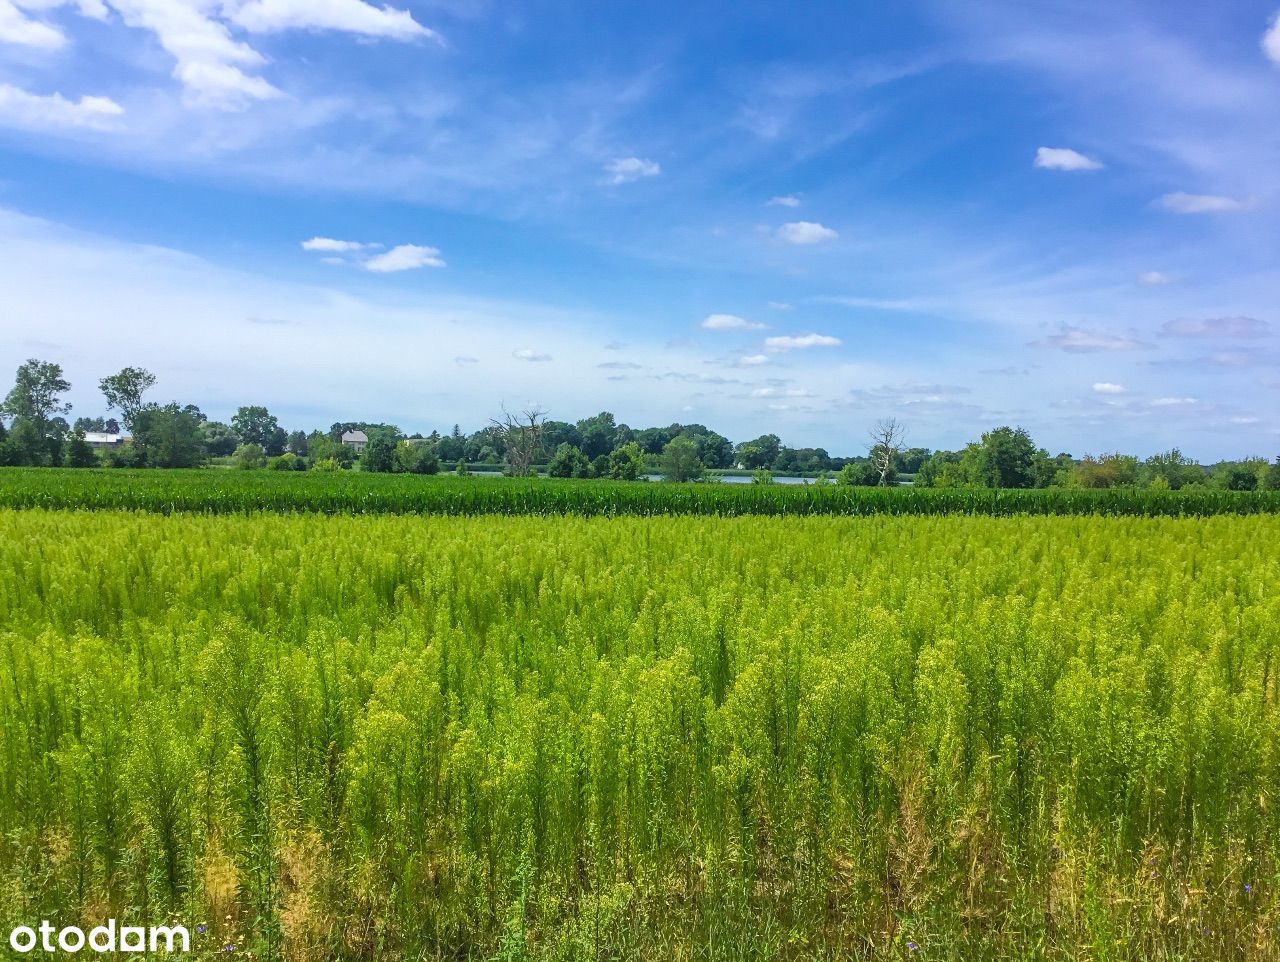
(207, 491)
(329, 737)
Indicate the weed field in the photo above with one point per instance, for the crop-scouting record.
(404, 738)
(211, 491)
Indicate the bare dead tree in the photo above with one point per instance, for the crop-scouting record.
(521, 435)
(886, 439)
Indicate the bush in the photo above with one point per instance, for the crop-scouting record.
(249, 457)
(79, 454)
(287, 462)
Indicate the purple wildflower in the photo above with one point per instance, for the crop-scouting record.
(911, 946)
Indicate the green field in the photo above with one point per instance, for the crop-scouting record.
(401, 738)
(222, 492)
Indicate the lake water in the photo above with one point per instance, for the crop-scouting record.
(727, 478)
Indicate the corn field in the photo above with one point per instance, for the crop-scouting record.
(222, 492)
(399, 738)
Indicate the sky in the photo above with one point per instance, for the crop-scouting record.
(760, 216)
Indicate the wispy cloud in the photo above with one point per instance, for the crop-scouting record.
(623, 170)
(1217, 327)
(1180, 203)
(785, 200)
(791, 342)
(332, 246)
(528, 354)
(1154, 279)
(806, 232)
(730, 322)
(1080, 341)
(754, 360)
(1064, 158)
(18, 108)
(404, 257)
(1107, 387)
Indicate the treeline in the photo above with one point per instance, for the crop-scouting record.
(176, 435)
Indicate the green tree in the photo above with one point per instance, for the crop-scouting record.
(79, 454)
(1006, 458)
(379, 454)
(256, 425)
(1272, 480)
(1108, 471)
(760, 453)
(568, 462)
(680, 461)
(250, 456)
(124, 392)
(417, 457)
(625, 463)
(859, 474)
(36, 395)
(169, 436)
(220, 440)
(598, 434)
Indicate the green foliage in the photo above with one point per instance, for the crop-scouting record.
(218, 492)
(680, 461)
(762, 476)
(1107, 471)
(79, 454)
(417, 457)
(368, 738)
(219, 440)
(379, 455)
(36, 394)
(250, 456)
(287, 462)
(254, 424)
(1271, 481)
(169, 436)
(124, 392)
(858, 473)
(625, 463)
(568, 462)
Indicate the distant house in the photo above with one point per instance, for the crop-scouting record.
(103, 439)
(355, 440)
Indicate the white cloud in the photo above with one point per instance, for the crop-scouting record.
(18, 108)
(730, 322)
(1154, 279)
(753, 360)
(1247, 419)
(1181, 203)
(404, 257)
(789, 342)
(17, 28)
(1217, 327)
(623, 170)
(786, 200)
(347, 16)
(1079, 341)
(781, 392)
(806, 232)
(213, 67)
(1168, 402)
(527, 354)
(464, 359)
(1064, 158)
(1106, 387)
(329, 245)
(1271, 40)
(780, 306)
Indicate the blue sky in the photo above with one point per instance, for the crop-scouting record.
(760, 216)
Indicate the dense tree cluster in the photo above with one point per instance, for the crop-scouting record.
(34, 432)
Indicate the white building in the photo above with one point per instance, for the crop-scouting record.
(355, 440)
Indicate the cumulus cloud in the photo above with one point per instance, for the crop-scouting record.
(215, 69)
(1079, 341)
(347, 16)
(754, 360)
(786, 200)
(806, 232)
(19, 108)
(1271, 40)
(1217, 327)
(329, 245)
(623, 170)
(1154, 279)
(1064, 158)
(1182, 203)
(730, 322)
(404, 257)
(790, 342)
(17, 28)
(1106, 387)
(528, 354)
